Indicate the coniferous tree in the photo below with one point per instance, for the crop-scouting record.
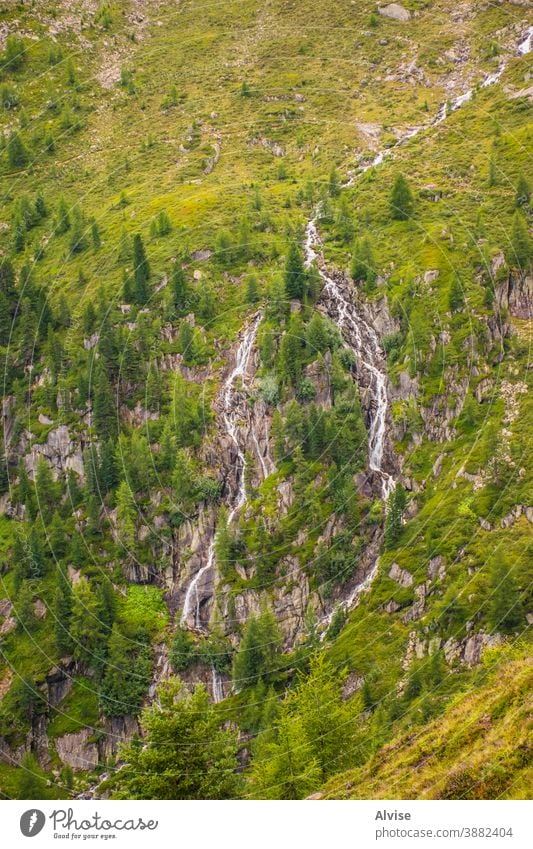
(187, 752)
(127, 674)
(252, 290)
(63, 612)
(401, 201)
(334, 185)
(109, 474)
(523, 192)
(126, 515)
(63, 217)
(31, 783)
(104, 412)
(363, 265)
(395, 511)
(89, 318)
(57, 537)
(141, 270)
(505, 609)
(520, 250)
(456, 297)
(85, 626)
(17, 153)
(180, 293)
(95, 236)
(344, 225)
(4, 476)
(256, 657)
(294, 274)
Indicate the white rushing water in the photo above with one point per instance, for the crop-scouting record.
(452, 105)
(230, 417)
(358, 334)
(216, 686)
(362, 339)
(230, 413)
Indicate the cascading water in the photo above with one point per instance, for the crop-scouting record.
(228, 414)
(362, 339)
(522, 49)
(358, 333)
(230, 417)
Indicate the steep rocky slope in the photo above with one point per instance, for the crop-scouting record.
(261, 398)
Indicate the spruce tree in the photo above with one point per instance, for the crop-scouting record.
(456, 298)
(295, 277)
(505, 609)
(344, 225)
(63, 612)
(523, 192)
(141, 270)
(334, 186)
(179, 289)
(188, 753)
(104, 412)
(17, 152)
(395, 510)
(401, 200)
(520, 250)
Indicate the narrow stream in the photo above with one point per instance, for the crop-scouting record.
(231, 415)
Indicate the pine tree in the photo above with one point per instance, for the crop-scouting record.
(126, 515)
(167, 452)
(63, 217)
(63, 612)
(23, 608)
(4, 476)
(31, 784)
(456, 297)
(57, 537)
(85, 625)
(344, 222)
(141, 269)
(95, 236)
(179, 289)
(294, 274)
(258, 650)
(334, 186)
(127, 675)
(316, 335)
(505, 610)
(35, 560)
(104, 412)
(363, 264)
(17, 152)
(187, 753)
(64, 319)
(252, 290)
(88, 318)
(41, 210)
(523, 193)
(109, 474)
(401, 201)
(520, 250)
(395, 510)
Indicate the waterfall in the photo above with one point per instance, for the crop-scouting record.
(230, 418)
(522, 49)
(362, 339)
(216, 683)
(229, 415)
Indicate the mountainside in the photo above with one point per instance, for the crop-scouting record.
(265, 324)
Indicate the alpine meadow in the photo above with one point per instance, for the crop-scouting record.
(266, 493)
